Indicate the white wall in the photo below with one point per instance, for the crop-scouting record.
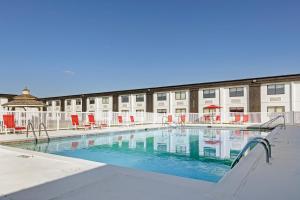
(296, 96)
(161, 104)
(179, 104)
(54, 107)
(132, 105)
(73, 108)
(203, 102)
(227, 101)
(138, 105)
(3, 101)
(99, 106)
(275, 100)
(125, 106)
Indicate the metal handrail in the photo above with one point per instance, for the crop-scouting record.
(268, 123)
(42, 125)
(266, 142)
(30, 125)
(263, 141)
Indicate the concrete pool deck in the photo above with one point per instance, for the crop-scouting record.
(251, 179)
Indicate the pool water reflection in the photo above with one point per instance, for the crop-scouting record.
(197, 153)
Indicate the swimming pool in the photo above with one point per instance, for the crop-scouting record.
(197, 153)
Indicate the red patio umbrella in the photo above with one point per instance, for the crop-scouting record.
(213, 107)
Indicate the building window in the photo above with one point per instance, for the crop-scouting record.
(91, 101)
(161, 96)
(69, 102)
(140, 110)
(124, 99)
(180, 110)
(236, 109)
(57, 103)
(275, 89)
(180, 95)
(105, 100)
(124, 111)
(276, 109)
(209, 110)
(49, 103)
(139, 98)
(236, 92)
(78, 102)
(161, 110)
(210, 93)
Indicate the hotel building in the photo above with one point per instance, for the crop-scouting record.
(262, 94)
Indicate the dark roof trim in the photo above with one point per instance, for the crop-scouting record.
(246, 81)
(7, 95)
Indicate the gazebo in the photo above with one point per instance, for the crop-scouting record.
(25, 101)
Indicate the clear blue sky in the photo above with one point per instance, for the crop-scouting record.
(61, 47)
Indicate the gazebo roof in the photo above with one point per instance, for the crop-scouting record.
(24, 100)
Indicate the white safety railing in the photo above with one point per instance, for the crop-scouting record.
(62, 120)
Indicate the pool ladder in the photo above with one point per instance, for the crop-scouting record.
(263, 141)
(267, 125)
(42, 127)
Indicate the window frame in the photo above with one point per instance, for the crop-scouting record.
(138, 98)
(210, 94)
(49, 103)
(180, 109)
(161, 96)
(57, 103)
(105, 100)
(236, 92)
(181, 96)
(92, 99)
(276, 90)
(67, 102)
(125, 96)
(157, 110)
(77, 102)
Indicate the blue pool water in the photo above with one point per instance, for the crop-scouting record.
(198, 153)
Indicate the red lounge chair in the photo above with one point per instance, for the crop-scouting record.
(92, 121)
(237, 118)
(245, 118)
(75, 122)
(170, 119)
(207, 118)
(132, 119)
(218, 118)
(182, 119)
(9, 123)
(120, 119)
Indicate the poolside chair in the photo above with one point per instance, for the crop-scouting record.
(245, 118)
(170, 119)
(120, 119)
(132, 120)
(75, 123)
(207, 118)
(92, 121)
(9, 124)
(237, 118)
(218, 119)
(182, 119)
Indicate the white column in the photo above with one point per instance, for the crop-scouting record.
(132, 103)
(170, 103)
